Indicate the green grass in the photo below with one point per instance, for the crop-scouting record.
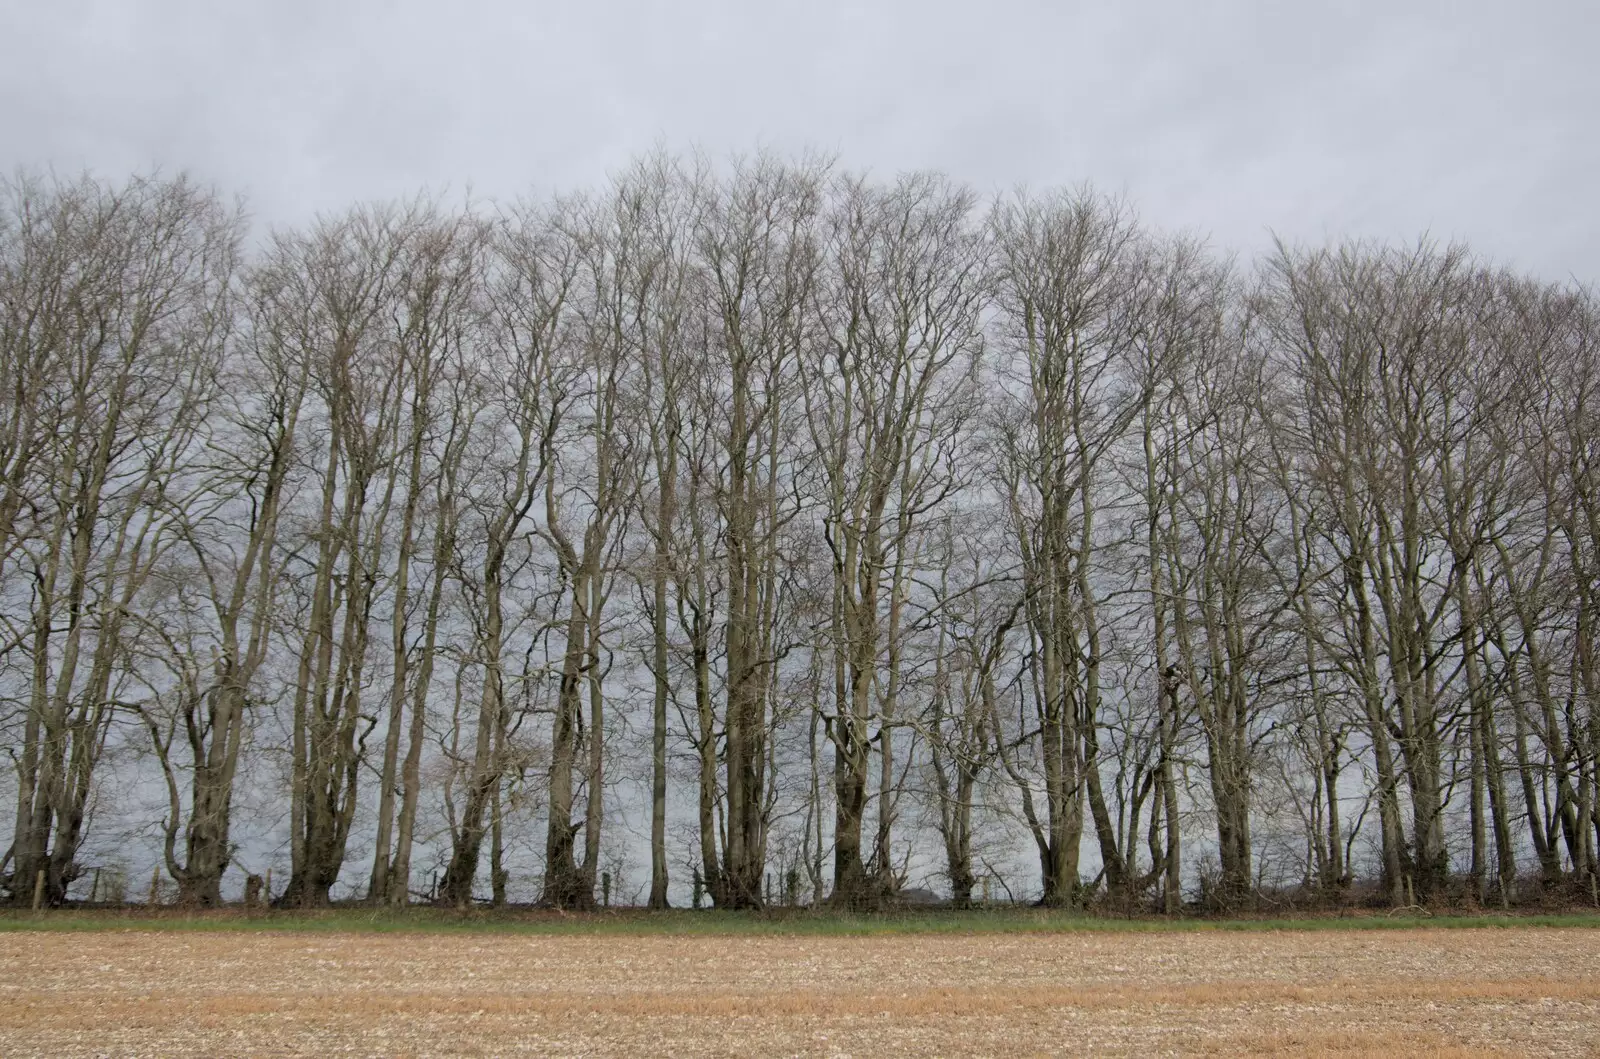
(731, 924)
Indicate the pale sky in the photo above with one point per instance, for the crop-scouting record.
(1467, 119)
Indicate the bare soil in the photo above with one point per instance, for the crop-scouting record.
(1529, 991)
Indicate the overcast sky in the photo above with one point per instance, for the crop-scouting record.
(1466, 118)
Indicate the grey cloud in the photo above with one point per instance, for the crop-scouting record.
(1470, 119)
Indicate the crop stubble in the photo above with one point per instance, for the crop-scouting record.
(1394, 992)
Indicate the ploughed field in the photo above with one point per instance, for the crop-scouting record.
(1530, 990)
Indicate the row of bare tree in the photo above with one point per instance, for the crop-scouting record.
(851, 519)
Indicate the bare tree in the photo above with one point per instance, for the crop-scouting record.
(122, 354)
(1063, 404)
(250, 456)
(526, 383)
(344, 281)
(438, 327)
(587, 499)
(1037, 524)
(756, 237)
(888, 395)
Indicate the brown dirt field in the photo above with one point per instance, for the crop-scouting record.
(1382, 993)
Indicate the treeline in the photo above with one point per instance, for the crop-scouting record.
(849, 520)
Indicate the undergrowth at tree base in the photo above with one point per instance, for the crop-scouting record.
(784, 921)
